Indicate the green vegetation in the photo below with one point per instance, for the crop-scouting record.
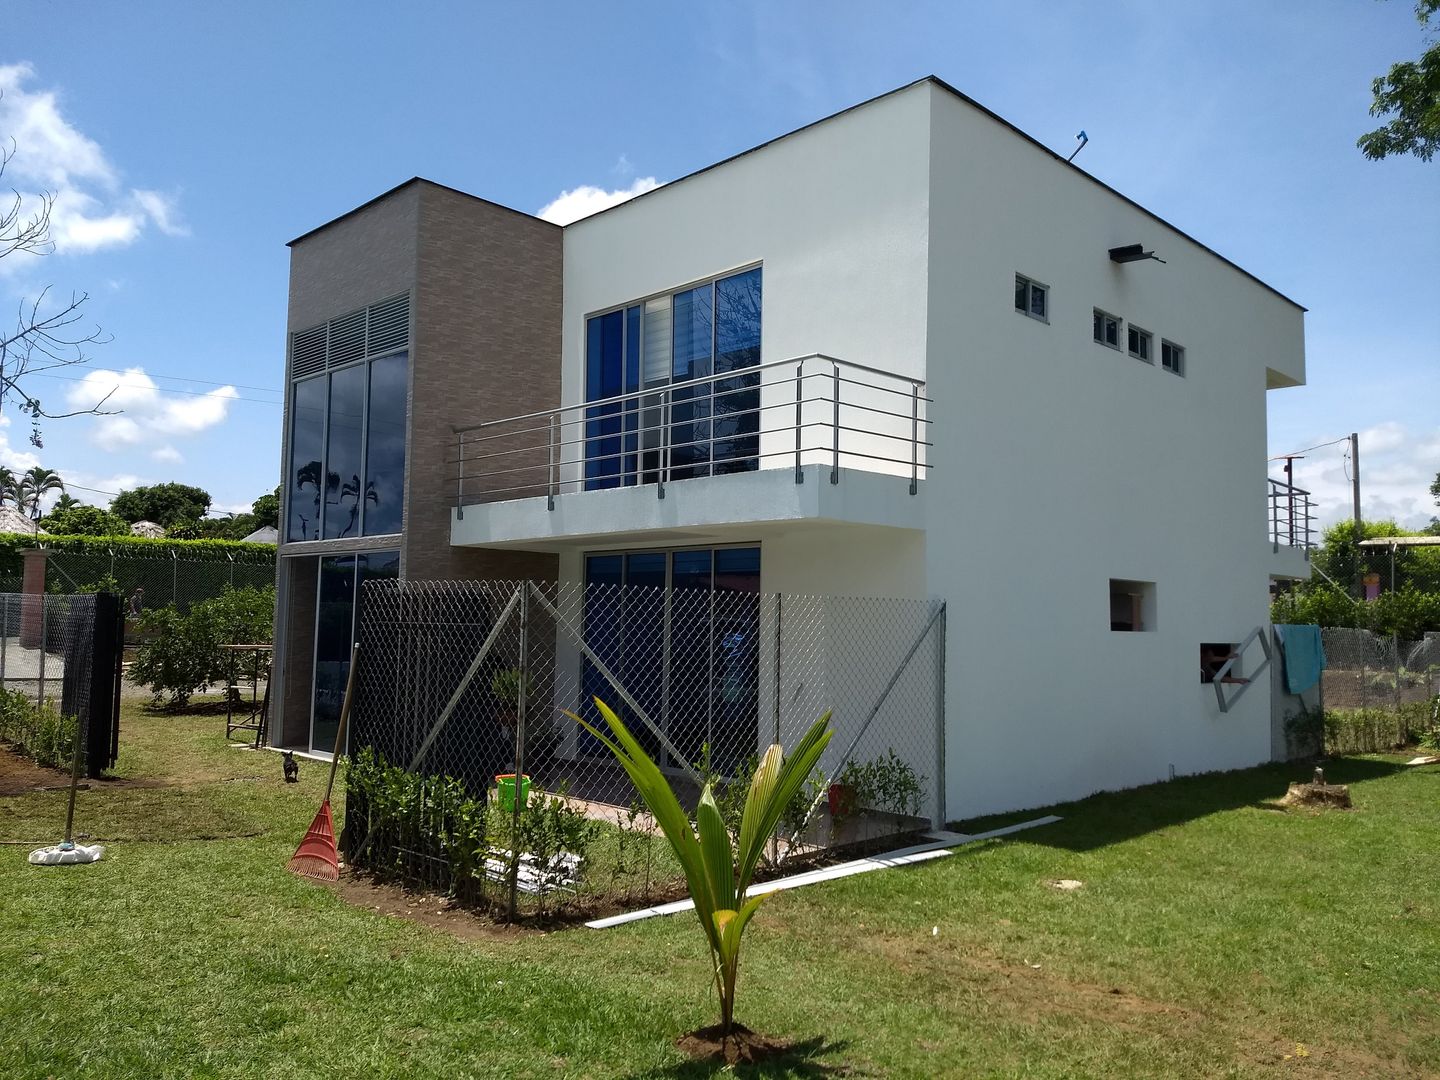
(1214, 936)
(719, 867)
(85, 521)
(36, 731)
(1410, 96)
(183, 653)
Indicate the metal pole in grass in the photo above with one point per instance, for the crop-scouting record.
(44, 641)
(519, 788)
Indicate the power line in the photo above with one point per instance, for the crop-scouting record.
(183, 378)
(168, 390)
(1318, 446)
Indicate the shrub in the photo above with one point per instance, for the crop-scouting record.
(183, 653)
(39, 732)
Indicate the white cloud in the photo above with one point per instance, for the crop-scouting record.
(587, 199)
(17, 461)
(168, 454)
(91, 210)
(1397, 467)
(142, 413)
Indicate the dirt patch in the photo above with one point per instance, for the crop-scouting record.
(21, 776)
(1318, 796)
(426, 909)
(740, 1047)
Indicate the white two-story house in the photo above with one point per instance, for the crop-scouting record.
(908, 351)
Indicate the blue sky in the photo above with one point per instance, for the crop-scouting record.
(189, 142)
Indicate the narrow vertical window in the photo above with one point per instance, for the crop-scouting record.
(1107, 329)
(1032, 298)
(1139, 342)
(1172, 357)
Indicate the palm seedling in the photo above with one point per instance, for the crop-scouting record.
(718, 868)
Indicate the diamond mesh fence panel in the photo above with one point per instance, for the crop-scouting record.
(463, 685)
(160, 580)
(46, 680)
(1379, 692)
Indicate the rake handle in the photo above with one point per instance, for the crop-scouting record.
(344, 719)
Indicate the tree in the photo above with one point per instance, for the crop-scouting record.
(266, 509)
(1411, 94)
(47, 333)
(80, 520)
(66, 501)
(9, 488)
(164, 504)
(34, 486)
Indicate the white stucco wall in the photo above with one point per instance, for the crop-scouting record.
(891, 236)
(1063, 464)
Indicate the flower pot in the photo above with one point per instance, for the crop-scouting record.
(505, 783)
(842, 801)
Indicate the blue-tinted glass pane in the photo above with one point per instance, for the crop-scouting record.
(385, 446)
(307, 455)
(694, 329)
(632, 383)
(603, 625)
(736, 423)
(736, 657)
(343, 487)
(604, 375)
(334, 635)
(645, 643)
(690, 653)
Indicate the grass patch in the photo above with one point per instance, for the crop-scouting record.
(1213, 936)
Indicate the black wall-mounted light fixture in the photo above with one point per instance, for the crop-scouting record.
(1132, 253)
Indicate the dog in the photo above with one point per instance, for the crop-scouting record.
(292, 768)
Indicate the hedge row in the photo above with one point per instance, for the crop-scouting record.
(13, 545)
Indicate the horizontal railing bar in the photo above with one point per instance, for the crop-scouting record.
(705, 380)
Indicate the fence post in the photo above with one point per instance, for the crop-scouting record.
(519, 790)
(4, 637)
(44, 640)
(175, 578)
(940, 778)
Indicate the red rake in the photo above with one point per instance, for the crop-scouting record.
(317, 856)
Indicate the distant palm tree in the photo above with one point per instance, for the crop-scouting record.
(34, 486)
(66, 502)
(9, 487)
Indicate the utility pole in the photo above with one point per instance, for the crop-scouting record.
(1355, 482)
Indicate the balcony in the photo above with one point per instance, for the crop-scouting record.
(805, 440)
(1292, 525)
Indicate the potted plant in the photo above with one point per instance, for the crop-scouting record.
(844, 794)
(508, 684)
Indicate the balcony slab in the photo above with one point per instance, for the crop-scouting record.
(701, 510)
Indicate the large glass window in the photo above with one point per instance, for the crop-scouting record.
(337, 619)
(671, 340)
(689, 656)
(347, 451)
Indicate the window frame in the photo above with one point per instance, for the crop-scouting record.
(1178, 351)
(1099, 338)
(1031, 286)
(1147, 340)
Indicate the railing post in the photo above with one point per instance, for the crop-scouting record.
(799, 397)
(1274, 520)
(914, 438)
(553, 476)
(663, 465)
(835, 423)
(460, 475)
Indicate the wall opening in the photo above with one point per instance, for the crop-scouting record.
(1132, 605)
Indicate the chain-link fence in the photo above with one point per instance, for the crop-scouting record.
(59, 672)
(463, 685)
(1379, 692)
(152, 581)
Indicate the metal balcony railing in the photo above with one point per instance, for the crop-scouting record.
(1291, 517)
(805, 410)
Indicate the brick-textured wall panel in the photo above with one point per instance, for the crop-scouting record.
(487, 345)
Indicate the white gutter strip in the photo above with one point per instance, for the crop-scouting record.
(941, 845)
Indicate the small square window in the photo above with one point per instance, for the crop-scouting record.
(1214, 655)
(1107, 329)
(1032, 298)
(1172, 357)
(1132, 605)
(1140, 342)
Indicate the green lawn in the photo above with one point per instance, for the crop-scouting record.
(1214, 936)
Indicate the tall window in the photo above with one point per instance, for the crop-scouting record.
(1031, 297)
(711, 427)
(688, 654)
(347, 425)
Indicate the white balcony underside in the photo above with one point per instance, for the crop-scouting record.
(1289, 563)
(703, 510)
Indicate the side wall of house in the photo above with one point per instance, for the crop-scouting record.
(1065, 463)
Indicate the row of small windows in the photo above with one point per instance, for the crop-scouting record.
(1033, 299)
(1138, 343)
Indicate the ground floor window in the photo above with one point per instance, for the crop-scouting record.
(680, 630)
(337, 619)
